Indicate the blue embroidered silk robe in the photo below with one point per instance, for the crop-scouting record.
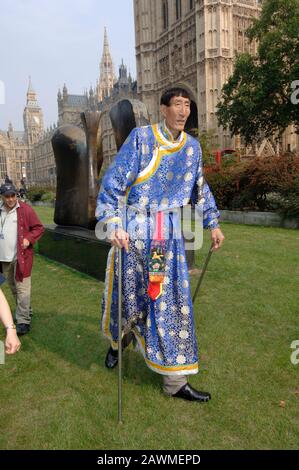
(151, 171)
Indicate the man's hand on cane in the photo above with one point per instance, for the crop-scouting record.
(217, 238)
(120, 239)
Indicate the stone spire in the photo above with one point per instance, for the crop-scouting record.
(30, 87)
(31, 96)
(33, 116)
(64, 92)
(106, 44)
(123, 75)
(10, 131)
(107, 77)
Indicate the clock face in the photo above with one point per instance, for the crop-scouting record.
(36, 120)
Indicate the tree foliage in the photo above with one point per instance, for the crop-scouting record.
(259, 99)
(258, 184)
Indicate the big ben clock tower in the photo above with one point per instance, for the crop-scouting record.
(33, 117)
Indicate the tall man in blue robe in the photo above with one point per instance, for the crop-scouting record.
(158, 169)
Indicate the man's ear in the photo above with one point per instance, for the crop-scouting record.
(163, 110)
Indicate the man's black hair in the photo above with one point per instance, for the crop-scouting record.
(168, 94)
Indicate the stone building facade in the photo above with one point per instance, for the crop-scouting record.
(124, 88)
(28, 155)
(43, 160)
(193, 43)
(16, 147)
(108, 91)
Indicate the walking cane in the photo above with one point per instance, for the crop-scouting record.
(203, 272)
(119, 335)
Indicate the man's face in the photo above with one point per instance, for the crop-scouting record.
(10, 200)
(176, 114)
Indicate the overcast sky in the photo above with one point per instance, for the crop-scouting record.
(57, 42)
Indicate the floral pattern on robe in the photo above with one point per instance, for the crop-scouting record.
(151, 172)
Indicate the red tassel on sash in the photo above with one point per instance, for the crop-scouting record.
(157, 260)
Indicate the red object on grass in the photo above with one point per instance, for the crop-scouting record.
(218, 157)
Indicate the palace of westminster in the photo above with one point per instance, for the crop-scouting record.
(188, 43)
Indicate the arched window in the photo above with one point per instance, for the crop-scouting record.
(3, 166)
(165, 14)
(178, 9)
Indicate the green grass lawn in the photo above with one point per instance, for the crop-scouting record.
(45, 214)
(56, 393)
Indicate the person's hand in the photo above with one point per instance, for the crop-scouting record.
(217, 238)
(26, 243)
(12, 342)
(120, 239)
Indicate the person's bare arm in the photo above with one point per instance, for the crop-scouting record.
(12, 342)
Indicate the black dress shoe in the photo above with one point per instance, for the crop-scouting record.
(111, 360)
(22, 329)
(189, 393)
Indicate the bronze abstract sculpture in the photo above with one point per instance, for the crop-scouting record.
(69, 145)
(91, 120)
(124, 116)
(79, 158)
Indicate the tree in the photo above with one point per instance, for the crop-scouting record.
(260, 98)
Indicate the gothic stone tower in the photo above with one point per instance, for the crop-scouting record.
(33, 117)
(107, 77)
(191, 43)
